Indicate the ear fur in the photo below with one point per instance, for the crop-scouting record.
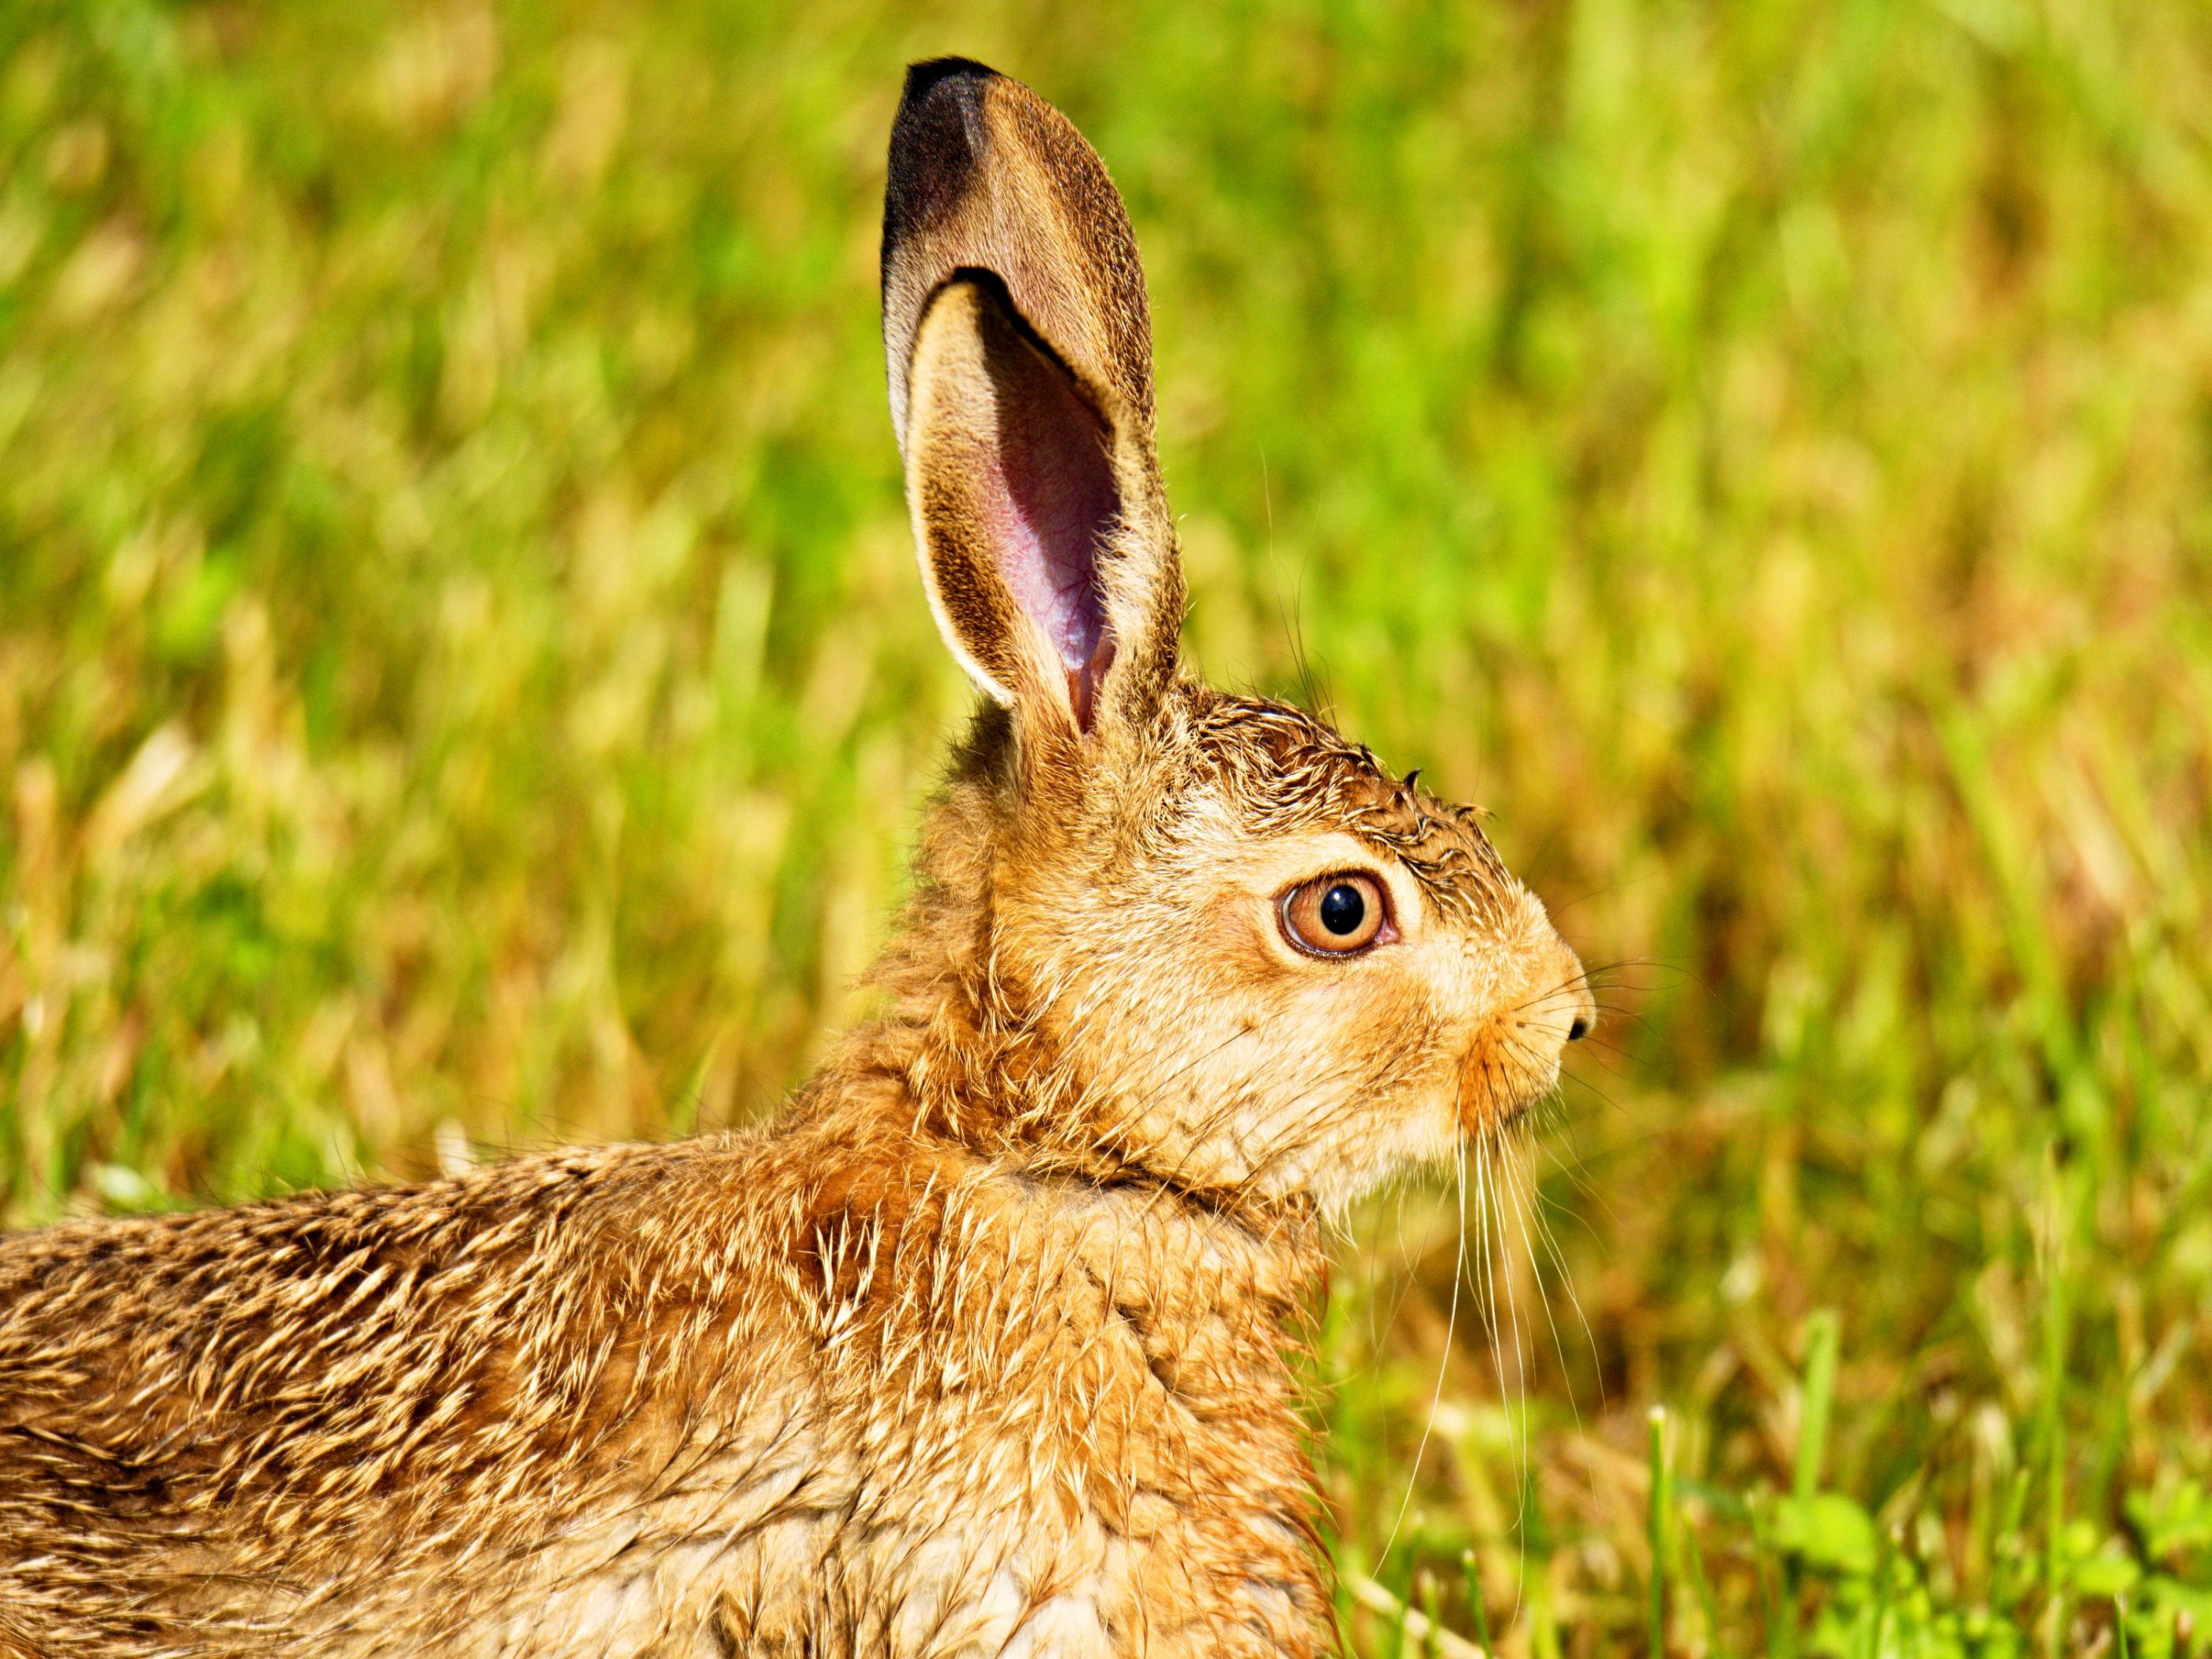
(1019, 347)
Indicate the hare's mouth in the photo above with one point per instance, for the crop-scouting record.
(1501, 1079)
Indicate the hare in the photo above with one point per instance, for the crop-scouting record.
(987, 1346)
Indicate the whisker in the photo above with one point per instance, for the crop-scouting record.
(1436, 1399)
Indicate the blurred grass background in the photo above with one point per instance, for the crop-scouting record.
(462, 686)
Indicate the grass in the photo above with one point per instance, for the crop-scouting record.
(463, 687)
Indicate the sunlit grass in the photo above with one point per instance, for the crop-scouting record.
(462, 686)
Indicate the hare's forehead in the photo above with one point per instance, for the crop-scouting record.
(1269, 770)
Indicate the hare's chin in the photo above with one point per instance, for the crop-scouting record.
(1422, 1143)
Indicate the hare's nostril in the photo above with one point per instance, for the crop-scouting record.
(1578, 1030)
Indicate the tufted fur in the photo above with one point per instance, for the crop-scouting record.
(986, 1347)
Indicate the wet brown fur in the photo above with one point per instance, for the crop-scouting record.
(988, 1346)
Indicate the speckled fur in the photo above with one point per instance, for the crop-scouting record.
(988, 1346)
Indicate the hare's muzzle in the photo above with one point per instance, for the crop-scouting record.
(1514, 1060)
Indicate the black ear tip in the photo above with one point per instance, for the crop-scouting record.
(936, 137)
(924, 78)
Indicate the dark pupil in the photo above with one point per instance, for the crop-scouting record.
(1342, 909)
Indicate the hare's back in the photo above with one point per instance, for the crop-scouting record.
(378, 1395)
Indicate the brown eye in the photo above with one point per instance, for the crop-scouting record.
(1334, 915)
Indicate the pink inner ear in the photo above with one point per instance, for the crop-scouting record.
(1047, 503)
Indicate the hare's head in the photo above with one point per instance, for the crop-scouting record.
(1209, 940)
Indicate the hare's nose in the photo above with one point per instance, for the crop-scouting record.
(1581, 1017)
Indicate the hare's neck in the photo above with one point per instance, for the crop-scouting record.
(960, 1054)
(952, 1088)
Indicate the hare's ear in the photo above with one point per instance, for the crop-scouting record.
(1021, 382)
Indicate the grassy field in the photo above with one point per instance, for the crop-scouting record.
(463, 687)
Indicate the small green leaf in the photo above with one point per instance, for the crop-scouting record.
(2175, 1517)
(1826, 1530)
(2171, 1596)
(2110, 1574)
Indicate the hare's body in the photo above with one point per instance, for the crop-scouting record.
(841, 1389)
(986, 1351)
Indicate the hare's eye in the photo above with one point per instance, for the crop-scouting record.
(1334, 915)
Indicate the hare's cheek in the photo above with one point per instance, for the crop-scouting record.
(1239, 957)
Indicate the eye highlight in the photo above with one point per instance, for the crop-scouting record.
(1335, 916)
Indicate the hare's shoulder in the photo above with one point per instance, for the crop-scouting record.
(1076, 1403)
